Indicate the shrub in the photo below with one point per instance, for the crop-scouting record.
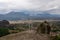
(57, 37)
(4, 31)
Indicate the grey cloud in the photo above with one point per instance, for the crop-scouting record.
(37, 5)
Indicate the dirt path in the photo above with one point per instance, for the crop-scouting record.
(26, 35)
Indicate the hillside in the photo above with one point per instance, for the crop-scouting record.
(26, 35)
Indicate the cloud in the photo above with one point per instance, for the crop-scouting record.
(35, 5)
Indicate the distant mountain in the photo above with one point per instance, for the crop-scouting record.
(54, 11)
(29, 15)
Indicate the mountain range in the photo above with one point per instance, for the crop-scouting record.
(28, 15)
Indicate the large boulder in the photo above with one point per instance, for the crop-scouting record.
(44, 28)
(4, 23)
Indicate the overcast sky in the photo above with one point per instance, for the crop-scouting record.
(34, 5)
